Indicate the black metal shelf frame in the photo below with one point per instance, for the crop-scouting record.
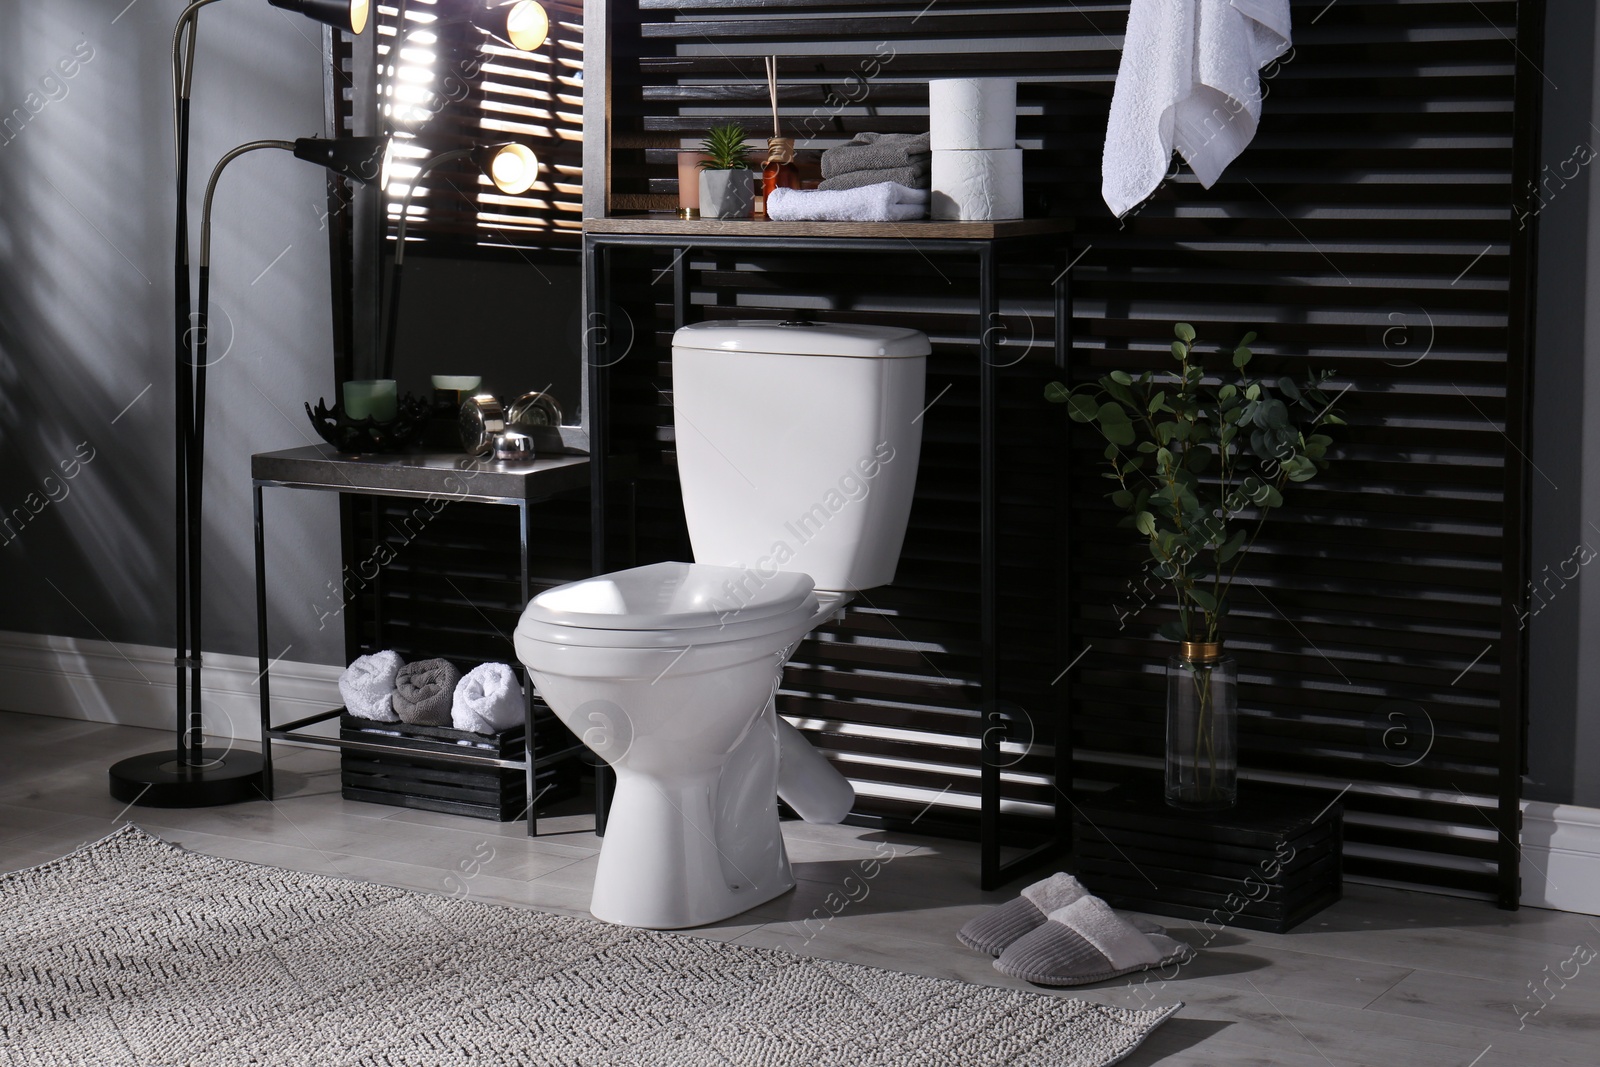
(986, 253)
(321, 470)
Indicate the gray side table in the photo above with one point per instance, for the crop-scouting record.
(437, 479)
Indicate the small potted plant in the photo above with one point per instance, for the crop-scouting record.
(727, 189)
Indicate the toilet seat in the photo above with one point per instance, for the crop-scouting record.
(669, 605)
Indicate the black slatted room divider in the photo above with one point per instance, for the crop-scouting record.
(1369, 229)
(1372, 228)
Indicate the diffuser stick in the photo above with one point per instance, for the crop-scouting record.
(772, 92)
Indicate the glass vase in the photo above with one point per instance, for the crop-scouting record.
(1202, 727)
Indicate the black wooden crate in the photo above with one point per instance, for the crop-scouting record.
(407, 778)
(1268, 863)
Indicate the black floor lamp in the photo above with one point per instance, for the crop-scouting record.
(190, 775)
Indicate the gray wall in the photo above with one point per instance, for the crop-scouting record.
(1564, 665)
(85, 291)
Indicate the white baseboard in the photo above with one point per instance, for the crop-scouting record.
(134, 685)
(1561, 857)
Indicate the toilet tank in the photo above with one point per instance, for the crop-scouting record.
(797, 445)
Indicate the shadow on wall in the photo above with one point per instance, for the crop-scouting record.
(1563, 609)
(86, 353)
(69, 364)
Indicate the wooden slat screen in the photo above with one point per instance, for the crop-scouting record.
(1369, 229)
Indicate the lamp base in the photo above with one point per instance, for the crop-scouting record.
(158, 780)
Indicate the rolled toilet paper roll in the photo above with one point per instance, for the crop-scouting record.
(970, 114)
(977, 186)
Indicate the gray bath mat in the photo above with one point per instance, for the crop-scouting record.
(135, 951)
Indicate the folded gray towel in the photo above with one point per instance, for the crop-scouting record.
(876, 151)
(424, 690)
(916, 176)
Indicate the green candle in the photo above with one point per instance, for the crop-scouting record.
(373, 398)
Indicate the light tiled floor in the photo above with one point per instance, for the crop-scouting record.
(1385, 978)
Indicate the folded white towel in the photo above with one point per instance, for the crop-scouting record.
(1190, 79)
(487, 700)
(882, 202)
(367, 686)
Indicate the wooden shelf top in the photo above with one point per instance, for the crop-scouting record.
(669, 225)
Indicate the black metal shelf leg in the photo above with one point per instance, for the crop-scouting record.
(262, 660)
(989, 572)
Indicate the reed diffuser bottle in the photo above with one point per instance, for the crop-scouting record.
(780, 171)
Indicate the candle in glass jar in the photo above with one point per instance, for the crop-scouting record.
(689, 184)
(375, 398)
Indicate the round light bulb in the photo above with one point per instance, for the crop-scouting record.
(360, 10)
(514, 169)
(527, 25)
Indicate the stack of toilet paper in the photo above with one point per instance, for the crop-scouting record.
(977, 166)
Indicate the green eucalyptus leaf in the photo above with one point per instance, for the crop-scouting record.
(1184, 332)
(1122, 393)
(1118, 433)
(1252, 391)
(1275, 413)
(1230, 547)
(1179, 350)
(1287, 387)
(1158, 401)
(1145, 523)
(1206, 601)
(1057, 393)
(1113, 453)
(1227, 392)
(1241, 356)
(1122, 377)
(1122, 498)
(1247, 339)
(1330, 419)
(1147, 446)
(1173, 630)
(1274, 499)
(1110, 414)
(1082, 408)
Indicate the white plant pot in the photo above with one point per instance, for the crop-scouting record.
(727, 194)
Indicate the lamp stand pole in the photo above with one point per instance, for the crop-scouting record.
(189, 775)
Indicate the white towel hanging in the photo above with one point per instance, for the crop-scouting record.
(1189, 79)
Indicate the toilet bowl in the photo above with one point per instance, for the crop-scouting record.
(668, 672)
(652, 675)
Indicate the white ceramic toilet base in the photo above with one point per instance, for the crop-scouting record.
(660, 867)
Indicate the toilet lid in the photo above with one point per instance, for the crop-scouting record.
(670, 596)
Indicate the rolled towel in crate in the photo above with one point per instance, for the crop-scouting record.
(487, 700)
(367, 686)
(424, 690)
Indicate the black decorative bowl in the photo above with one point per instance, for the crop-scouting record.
(370, 435)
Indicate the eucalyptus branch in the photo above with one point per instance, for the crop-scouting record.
(1243, 424)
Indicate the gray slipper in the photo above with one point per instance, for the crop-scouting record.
(1086, 942)
(996, 929)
